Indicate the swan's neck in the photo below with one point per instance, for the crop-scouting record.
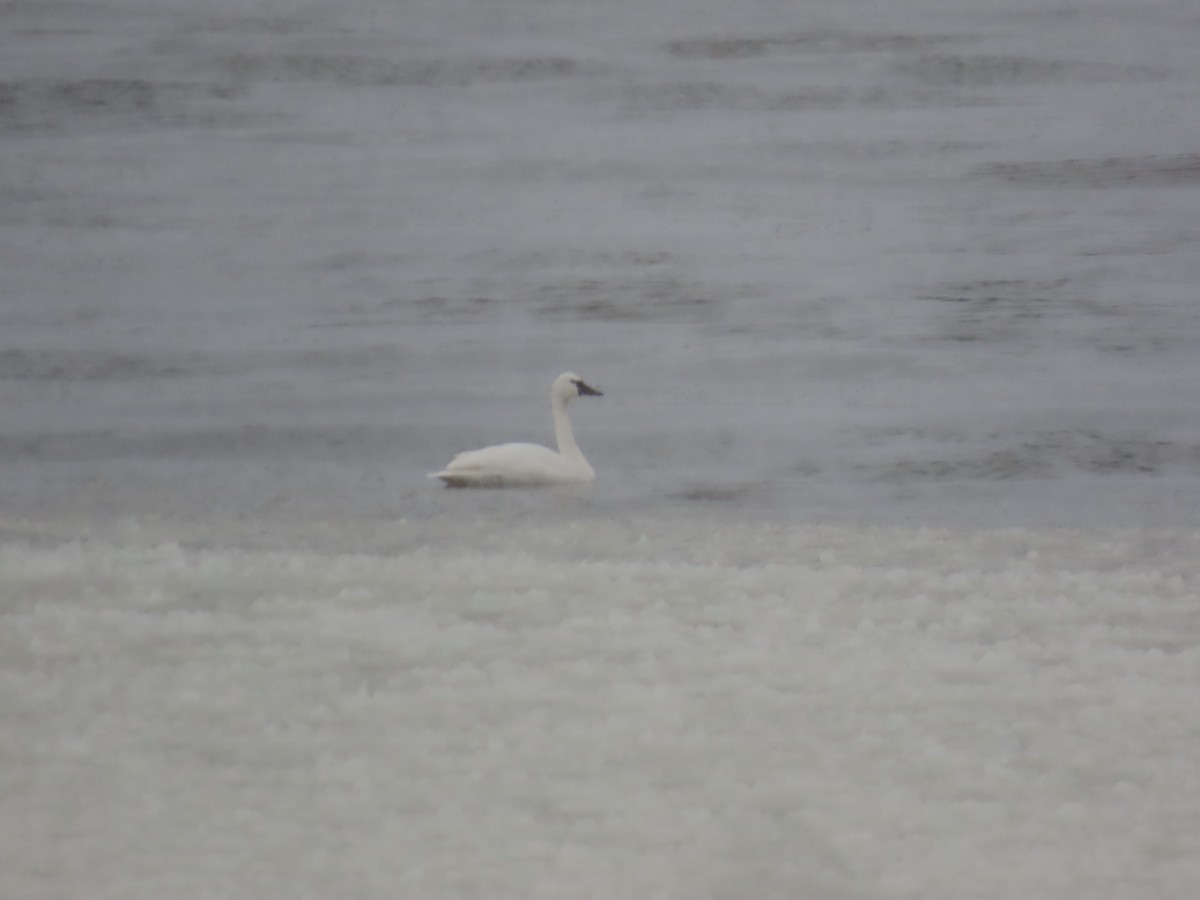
(567, 448)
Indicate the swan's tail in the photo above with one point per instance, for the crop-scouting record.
(451, 478)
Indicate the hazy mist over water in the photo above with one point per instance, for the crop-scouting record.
(887, 585)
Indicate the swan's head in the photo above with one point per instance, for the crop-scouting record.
(568, 386)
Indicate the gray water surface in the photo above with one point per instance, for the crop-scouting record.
(931, 263)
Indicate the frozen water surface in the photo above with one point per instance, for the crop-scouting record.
(888, 585)
(604, 709)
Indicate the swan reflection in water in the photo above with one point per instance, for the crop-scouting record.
(519, 464)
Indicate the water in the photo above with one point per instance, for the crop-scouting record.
(887, 584)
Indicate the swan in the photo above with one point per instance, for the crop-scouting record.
(504, 465)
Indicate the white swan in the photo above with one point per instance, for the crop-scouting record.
(528, 464)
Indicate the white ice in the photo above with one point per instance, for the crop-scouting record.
(608, 710)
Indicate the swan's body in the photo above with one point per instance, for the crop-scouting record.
(528, 464)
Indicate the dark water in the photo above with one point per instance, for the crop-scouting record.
(921, 266)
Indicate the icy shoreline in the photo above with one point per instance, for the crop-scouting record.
(606, 709)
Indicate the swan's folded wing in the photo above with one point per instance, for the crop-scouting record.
(506, 464)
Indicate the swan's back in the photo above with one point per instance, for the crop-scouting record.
(512, 464)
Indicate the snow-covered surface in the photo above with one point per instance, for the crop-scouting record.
(599, 710)
(888, 586)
